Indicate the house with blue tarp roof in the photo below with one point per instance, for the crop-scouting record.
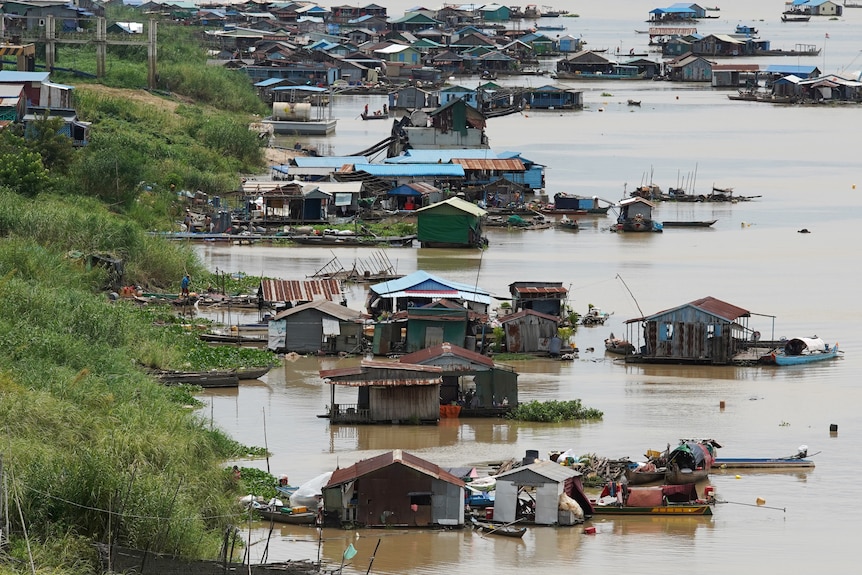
(554, 98)
(802, 72)
(677, 13)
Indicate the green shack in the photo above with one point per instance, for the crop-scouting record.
(452, 223)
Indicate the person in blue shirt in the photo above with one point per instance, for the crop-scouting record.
(185, 285)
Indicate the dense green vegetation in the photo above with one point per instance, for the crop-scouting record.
(92, 448)
(554, 411)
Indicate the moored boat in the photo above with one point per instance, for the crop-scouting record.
(618, 345)
(287, 515)
(666, 500)
(802, 350)
(688, 223)
(499, 529)
(365, 116)
(572, 204)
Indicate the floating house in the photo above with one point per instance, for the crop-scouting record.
(704, 331)
(421, 288)
(529, 331)
(452, 125)
(320, 327)
(636, 216)
(543, 297)
(472, 381)
(452, 223)
(554, 98)
(551, 486)
(412, 98)
(386, 392)
(394, 489)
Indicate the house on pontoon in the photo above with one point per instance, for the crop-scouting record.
(705, 331)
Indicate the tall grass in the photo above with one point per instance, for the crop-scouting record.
(93, 447)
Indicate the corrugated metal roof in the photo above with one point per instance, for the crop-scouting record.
(524, 312)
(301, 290)
(384, 374)
(415, 282)
(366, 466)
(735, 68)
(443, 350)
(327, 307)
(411, 170)
(440, 156)
(507, 165)
(546, 469)
(537, 290)
(458, 203)
(708, 305)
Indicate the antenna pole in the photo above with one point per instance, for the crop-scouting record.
(619, 277)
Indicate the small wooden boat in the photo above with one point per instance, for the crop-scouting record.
(634, 102)
(365, 116)
(567, 223)
(252, 372)
(284, 515)
(205, 379)
(666, 500)
(688, 223)
(501, 529)
(637, 476)
(762, 463)
(795, 17)
(231, 338)
(618, 345)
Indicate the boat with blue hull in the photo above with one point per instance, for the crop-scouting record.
(803, 350)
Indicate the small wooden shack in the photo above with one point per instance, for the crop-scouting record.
(452, 223)
(546, 482)
(386, 393)
(319, 326)
(394, 489)
(529, 331)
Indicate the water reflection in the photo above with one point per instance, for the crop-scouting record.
(674, 526)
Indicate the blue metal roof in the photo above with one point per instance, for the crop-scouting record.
(412, 170)
(423, 281)
(268, 82)
(301, 88)
(441, 156)
(15, 76)
(789, 69)
(327, 161)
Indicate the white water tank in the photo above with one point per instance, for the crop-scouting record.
(291, 111)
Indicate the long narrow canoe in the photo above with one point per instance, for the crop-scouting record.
(680, 510)
(762, 463)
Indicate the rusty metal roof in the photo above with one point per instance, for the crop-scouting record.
(366, 466)
(446, 349)
(524, 312)
(503, 165)
(301, 290)
(706, 304)
(384, 374)
(536, 290)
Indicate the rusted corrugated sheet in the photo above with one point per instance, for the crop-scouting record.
(506, 165)
(301, 290)
(720, 308)
(445, 349)
(383, 460)
(532, 290)
(388, 382)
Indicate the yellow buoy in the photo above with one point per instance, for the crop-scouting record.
(739, 476)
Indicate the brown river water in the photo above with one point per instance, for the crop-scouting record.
(802, 163)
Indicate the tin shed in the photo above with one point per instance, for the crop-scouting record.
(315, 327)
(532, 493)
(394, 489)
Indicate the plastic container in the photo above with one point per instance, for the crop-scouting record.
(489, 513)
(300, 509)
